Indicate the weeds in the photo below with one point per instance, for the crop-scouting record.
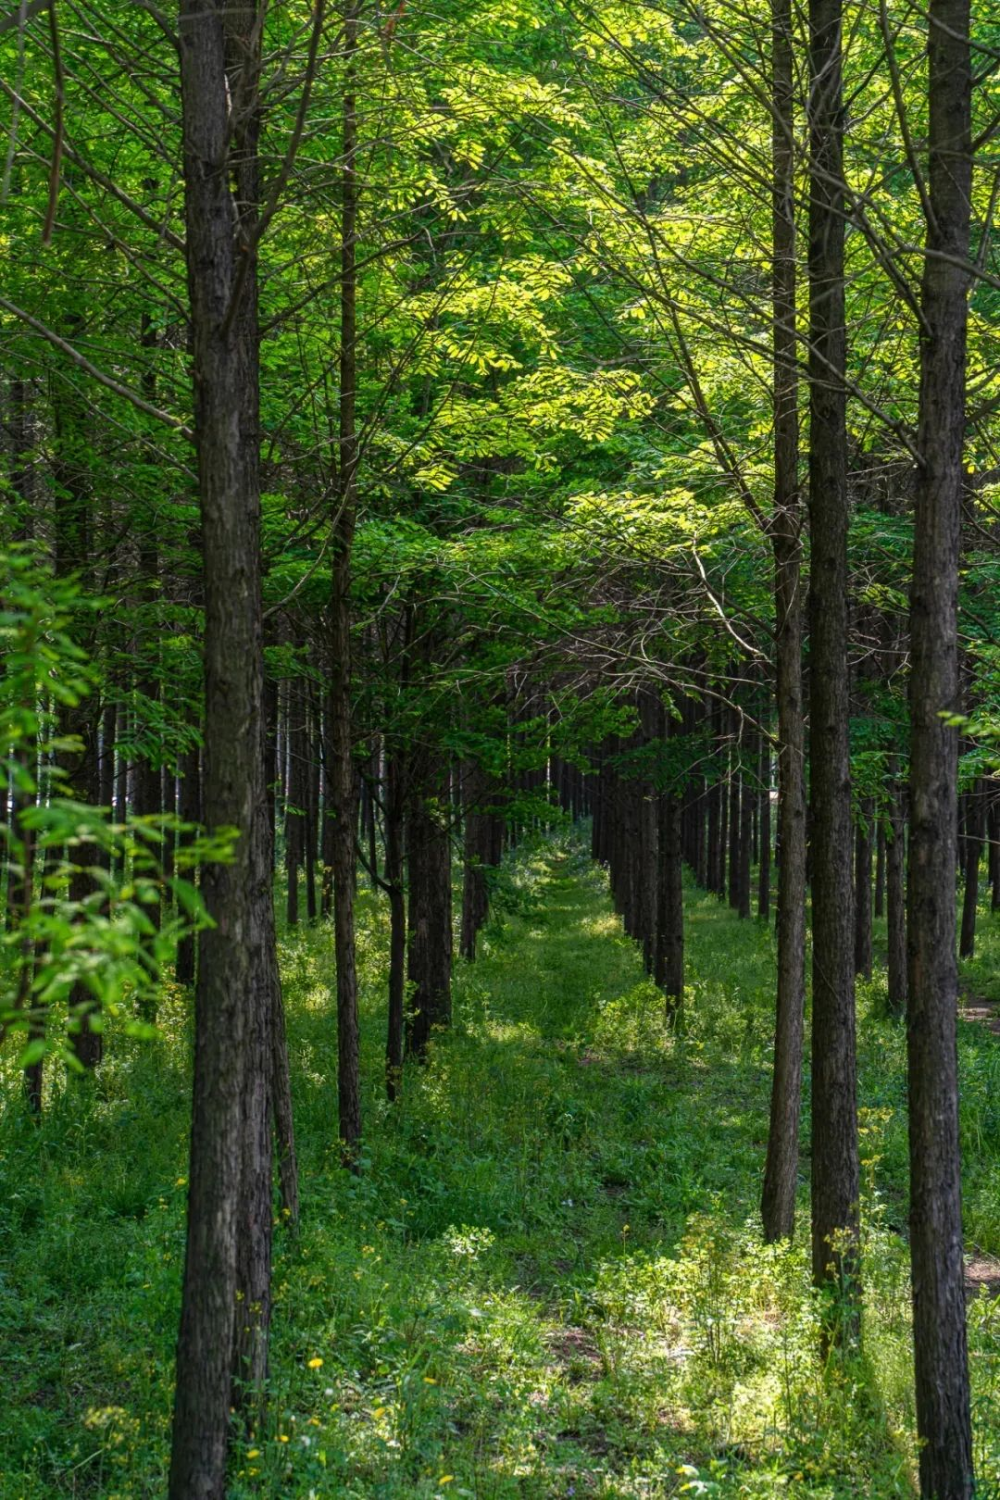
(547, 1283)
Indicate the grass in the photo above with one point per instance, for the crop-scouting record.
(548, 1281)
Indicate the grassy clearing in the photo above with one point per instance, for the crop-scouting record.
(547, 1283)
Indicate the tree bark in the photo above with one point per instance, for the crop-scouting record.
(863, 892)
(993, 827)
(939, 1341)
(668, 957)
(394, 819)
(975, 819)
(430, 940)
(235, 992)
(781, 1168)
(835, 1167)
(764, 834)
(342, 778)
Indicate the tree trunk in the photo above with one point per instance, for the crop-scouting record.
(295, 798)
(764, 835)
(394, 815)
(835, 1168)
(781, 1169)
(342, 780)
(430, 942)
(668, 957)
(895, 892)
(476, 838)
(993, 825)
(975, 818)
(863, 892)
(941, 1363)
(747, 800)
(311, 747)
(234, 997)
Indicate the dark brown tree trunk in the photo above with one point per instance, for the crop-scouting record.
(781, 1169)
(312, 803)
(395, 806)
(863, 892)
(764, 835)
(477, 842)
(668, 956)
(228, 1202)
(895, 883)
(737, 791)
(342, 777)
(747, 800)
(22, 876)
(835, 1167)
(281, 1083)
(941, 1362)
(975, 819)
(106, 773)
(993, 826)
(880, 870)
(295, 798)
(430, 940)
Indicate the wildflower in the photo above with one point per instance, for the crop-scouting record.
(316, 1363)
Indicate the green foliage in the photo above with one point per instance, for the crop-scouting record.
(80, 889)
(542, 1285)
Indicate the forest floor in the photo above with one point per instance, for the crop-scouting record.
(548, 1280)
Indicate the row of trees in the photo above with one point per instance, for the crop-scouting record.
(420, 394)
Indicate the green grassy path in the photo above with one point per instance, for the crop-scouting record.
(548, 1281)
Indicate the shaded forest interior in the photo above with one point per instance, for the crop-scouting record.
(499, 772)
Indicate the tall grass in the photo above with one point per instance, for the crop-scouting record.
(548, 1280)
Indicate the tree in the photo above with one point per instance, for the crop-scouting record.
(781, 1169)
(835, 1167)
(229, 1213)
(939, 1346)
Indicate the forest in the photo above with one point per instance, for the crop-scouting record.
(499, 749)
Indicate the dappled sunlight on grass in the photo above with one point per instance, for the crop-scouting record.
(548, 1280)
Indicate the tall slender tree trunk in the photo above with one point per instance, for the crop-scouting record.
(295, 801)
(764, 833)
(395, 804)
(229, 1192)
(975, 829)
(993, 837)
(430, 939)
(747, 800)
(863, 892)
(781, 1169)
(668, 954)
(835, 1166)
(342, 778)
(939, 1340)
(895, 896)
